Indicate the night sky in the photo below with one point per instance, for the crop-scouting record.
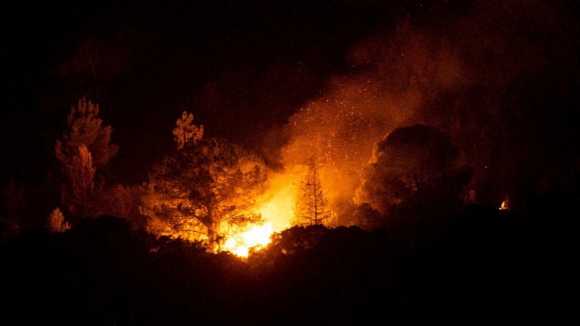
(259, 72)
(240, 67)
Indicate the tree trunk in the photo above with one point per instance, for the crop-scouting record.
(211, 230)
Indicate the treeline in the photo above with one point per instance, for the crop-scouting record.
(201, 189)
(207, 188)
(484, 267)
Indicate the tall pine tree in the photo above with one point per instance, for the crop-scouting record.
(83, 151)
(312, 205)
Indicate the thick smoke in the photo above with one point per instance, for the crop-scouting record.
(473, 75)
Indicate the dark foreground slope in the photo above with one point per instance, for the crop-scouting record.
(483, 266)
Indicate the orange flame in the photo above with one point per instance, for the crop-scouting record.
(505, 205)
(277, 210)
(258, 235)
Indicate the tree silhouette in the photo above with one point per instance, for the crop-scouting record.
(368, 218)
(124, 201)
(83, 151)
(412, 166)
(203, 190)
(185, 131)
(56, 221)
(311, 206)
(82, 173)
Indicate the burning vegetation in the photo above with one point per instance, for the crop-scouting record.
(359, 162)
(216, 192)
(422, 122)
(207, 190)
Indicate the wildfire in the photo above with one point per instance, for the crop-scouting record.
(258, 235)
(277, 210)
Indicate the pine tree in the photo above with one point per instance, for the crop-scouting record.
(312, 205)
(82, 173)
(186, 131)
(85, 128)
(83, 151)
(56, 221)
(203, 189)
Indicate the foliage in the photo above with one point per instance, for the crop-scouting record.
(298, 239)
(83, 151)
(412, 167)
(82, 172)
(56, 221)
(185, 131)
(367, 217)
(205, 188)
(489, 265)
(85, 128)
(312, 205)
(123, 201)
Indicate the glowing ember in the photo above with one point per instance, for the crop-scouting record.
(505, 205)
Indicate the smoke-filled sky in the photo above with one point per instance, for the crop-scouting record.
(323, 79)
(496, 78)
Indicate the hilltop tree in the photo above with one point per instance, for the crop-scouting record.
(203, 189)
(185, 131)
(83, 151)
(311, 206)
(413, 167)
(56, 221)
(82, 175)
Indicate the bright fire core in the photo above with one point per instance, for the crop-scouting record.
(277, 212)
(258, 235)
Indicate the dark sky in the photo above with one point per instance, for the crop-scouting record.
(242, 67)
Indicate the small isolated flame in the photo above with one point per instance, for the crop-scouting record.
(505, 205)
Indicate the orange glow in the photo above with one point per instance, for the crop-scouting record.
(277, 209)
(505, 205)
(258, 235)
(277, 204)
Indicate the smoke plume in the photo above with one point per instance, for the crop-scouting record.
(470, 74)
